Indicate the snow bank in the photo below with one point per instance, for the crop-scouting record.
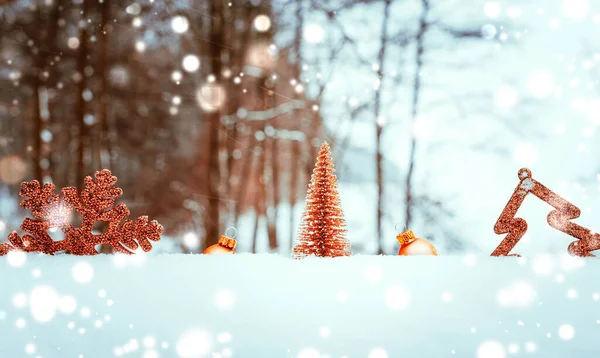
(269, 306)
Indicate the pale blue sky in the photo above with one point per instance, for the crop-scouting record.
(489, 107)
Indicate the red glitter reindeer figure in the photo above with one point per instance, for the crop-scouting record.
(558, 219)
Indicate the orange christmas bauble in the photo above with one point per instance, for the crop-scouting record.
(410, 245)
(225, 246)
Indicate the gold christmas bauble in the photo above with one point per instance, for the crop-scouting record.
(410, 245)
(225, 246)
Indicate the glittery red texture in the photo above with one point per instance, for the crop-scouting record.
(323, 228)
(96, 203)
(558, 219)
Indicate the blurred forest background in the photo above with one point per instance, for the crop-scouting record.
(211, 112)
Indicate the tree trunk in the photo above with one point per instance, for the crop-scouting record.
(379, 125)
(296, 155)
(212, 219)
(414, 111)
(260, 197)
(37, 125)
(233, 105)
(293, 189)
(81, 104)
(271, 173)
(104, 142)
(246, 176)
(273, 214)
(37, 102)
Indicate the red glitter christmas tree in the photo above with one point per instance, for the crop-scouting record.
(323, 228)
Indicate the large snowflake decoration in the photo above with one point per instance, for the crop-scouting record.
(95, 203)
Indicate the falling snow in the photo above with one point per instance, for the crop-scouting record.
(191, 63)
(180, 24)
(533, 65)
(262, 23)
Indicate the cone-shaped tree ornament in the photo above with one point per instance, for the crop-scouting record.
(323, 228)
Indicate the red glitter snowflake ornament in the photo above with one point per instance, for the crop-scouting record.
(96, 203)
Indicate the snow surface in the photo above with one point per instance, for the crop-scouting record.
(264, 305)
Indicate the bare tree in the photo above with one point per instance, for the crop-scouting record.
(232, 132)
(43, 50)
(213, 170)
(104, 133)
(270, 175)
(422, 29)
(379, 122)
(37, 117)
(295, 158)
(81, 95)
